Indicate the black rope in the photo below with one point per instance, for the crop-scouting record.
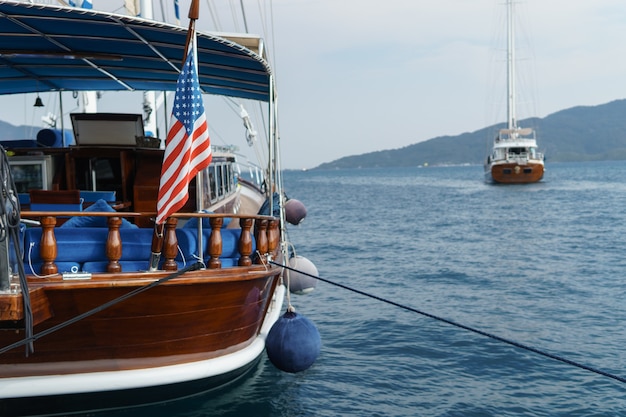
(462, 326)
(9, 231)
(100, 308)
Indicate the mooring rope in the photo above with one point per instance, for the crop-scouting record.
(98, 309)
(463, 326)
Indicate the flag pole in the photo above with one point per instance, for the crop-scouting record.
(199, 175)
(157, 236)
(194, 14)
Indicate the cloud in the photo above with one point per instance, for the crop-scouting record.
(359, 76)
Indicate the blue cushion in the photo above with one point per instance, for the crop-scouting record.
(188, 244)
(85, 246)
(229, 262)
(94, 196)
(136, 243)
(127, 266)
(55, 207)
(95, 221)
(86, 249)
(230, 243)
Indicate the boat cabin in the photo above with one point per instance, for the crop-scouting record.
(110, 158)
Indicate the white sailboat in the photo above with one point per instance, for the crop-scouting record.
(514, 157)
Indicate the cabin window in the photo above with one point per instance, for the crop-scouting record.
(220, 181)
(99, 174)
(226, 179)
(517, 151)
(230, 182)
(212, 183)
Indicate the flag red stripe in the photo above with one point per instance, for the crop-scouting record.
(187, 147)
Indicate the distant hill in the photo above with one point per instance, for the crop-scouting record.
(582, 133)
(10, 132)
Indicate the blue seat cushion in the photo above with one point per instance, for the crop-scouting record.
(136, 243)
(101, 266)
(95, 221)
(55, 207)
(85, 249)
(94, 196)
(87, 245)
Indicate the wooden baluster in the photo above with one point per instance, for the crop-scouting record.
(245, 242)
(273, 236)
(114, 245)
(260, 233)
(170, 245)
(48, 246)
(215, 243)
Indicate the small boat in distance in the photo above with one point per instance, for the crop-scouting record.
(514, 156)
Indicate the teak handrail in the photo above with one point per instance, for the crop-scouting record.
(266, 235)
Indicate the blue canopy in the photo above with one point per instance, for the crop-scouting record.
(56, 48)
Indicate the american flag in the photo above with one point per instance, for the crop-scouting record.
(187, 146)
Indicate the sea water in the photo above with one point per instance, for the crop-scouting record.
(542, 265)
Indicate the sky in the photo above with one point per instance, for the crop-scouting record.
(357, 76)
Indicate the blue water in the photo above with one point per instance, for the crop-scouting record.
(543, 265)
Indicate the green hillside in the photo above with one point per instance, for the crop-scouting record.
(582, 133)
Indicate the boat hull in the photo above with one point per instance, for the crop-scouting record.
(180, 338)
(64, 404)
(513, 173)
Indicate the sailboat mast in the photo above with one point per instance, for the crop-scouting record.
(149, 97)
(512, 123)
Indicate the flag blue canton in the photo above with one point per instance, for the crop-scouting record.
(188, 104)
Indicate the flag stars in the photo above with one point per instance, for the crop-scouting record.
(188, 102)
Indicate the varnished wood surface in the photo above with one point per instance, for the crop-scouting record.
(517, 175)
(199, 316)
(54, 196)
(12, 306)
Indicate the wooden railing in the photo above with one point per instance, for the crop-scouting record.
(266, 235)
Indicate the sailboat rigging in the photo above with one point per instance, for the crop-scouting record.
(514, 157)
